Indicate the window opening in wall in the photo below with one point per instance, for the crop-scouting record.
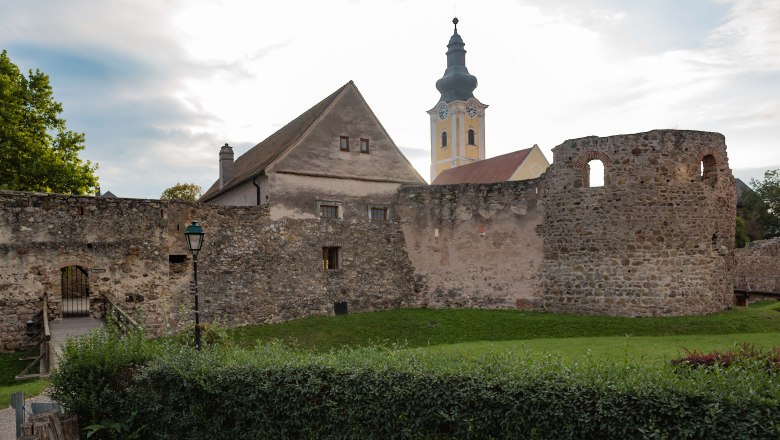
(472, 137)
(329, 211)
(364, 145)
(594, 173)
(709, 169)
(330, 257)
(177, 258)
(443, 139)
(344, 143)
(377, 214)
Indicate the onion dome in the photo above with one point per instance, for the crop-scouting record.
(457, 83)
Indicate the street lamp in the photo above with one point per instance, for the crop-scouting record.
(194, 235)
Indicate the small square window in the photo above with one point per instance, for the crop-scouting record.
(364, 145)
(329, 211)
(330, 257)
(344, 143)
(377, 214)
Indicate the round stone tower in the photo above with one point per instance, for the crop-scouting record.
(656, 239)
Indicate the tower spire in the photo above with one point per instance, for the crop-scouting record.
(456, 83)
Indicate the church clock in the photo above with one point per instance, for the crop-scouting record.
(443, 110)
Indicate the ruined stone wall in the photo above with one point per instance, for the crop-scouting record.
(474, 245)
(252, 269)
(656, 239)
(758, 266)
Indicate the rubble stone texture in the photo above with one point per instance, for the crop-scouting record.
(656, 240)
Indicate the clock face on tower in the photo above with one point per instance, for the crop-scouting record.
(471, 110)
(443, 110)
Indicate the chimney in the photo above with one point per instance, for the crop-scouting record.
(225, 165)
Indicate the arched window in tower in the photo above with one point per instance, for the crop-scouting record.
(472, 137)
(709, 169)
(443, 139)
(594, 173)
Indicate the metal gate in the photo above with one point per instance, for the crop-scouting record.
(75, 291)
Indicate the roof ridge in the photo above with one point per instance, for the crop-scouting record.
(263, 154)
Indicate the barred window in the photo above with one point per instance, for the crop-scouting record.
(329, 211)
(377, 214)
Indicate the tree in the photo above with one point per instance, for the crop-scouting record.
(188, 192)
(763, 203)
(741, 238)
(37, 152)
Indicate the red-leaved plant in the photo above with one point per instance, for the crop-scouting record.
(746, 354)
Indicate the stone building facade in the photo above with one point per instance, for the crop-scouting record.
(656, 239)
(252, 269)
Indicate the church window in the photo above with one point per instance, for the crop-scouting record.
(363, 145)
(344, 143)
(330, 257)
(472, 137)
(378, 214)
(443, 139)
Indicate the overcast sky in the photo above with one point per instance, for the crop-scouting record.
(158, 86)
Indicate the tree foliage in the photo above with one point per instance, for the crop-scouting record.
(763, 203)
(188, 192)
(741, 238)
(37, 152)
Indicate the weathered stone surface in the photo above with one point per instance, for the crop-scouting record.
(251, 269)
(474, 245)
(656, 239)
(758, 266)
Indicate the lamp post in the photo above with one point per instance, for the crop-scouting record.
(194, 235)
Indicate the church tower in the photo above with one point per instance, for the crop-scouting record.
(458, 119)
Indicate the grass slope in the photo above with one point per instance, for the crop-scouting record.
(10, 366)
(646, 349)
(425, 327)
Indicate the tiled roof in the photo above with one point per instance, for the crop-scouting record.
(263, 154)
(496, 169)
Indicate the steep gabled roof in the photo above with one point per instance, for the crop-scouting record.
(496, 169)
(259, 157)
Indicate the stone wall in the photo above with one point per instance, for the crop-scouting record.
(656, 239)
(474, 245)
(252, 269)
(758, 266)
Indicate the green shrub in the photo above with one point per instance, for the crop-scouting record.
(277, 392)
(211, 335)
(96, 371)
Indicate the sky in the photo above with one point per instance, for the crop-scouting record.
(158, 86)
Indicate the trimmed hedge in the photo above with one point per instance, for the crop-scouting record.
(171, 392)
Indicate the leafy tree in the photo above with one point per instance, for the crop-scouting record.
(764, 203)
(188, 192)
(37, 152)
(741, 236)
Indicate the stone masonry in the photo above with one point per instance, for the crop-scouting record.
(252, 269)
(656, 239)
(475, 245)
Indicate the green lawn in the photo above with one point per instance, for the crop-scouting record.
(10, 366)
(647, 349)
(427, 327)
